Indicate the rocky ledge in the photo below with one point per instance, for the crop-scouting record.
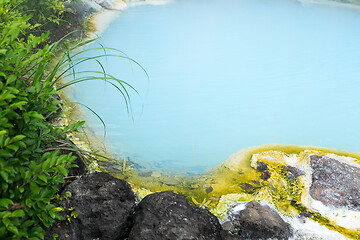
(106, 209)
(83, 9)
(99, 206)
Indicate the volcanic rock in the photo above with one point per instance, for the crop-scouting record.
(103, 204)
(335, 183)
(259, 222)
(166, 215)
(293, 172)
(261, 166)
(265, 175)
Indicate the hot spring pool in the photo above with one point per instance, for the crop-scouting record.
(225, 75)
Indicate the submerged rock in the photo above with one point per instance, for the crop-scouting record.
(247, 187)
(258, 222)
(166, 215)
(335, 183)
(103, 205)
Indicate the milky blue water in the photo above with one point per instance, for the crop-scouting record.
(229, 74)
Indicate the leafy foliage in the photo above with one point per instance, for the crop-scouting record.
(42, 11)
(42, 16)
(30, 170)
(29, 174)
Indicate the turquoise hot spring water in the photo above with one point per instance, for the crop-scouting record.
(225, 75)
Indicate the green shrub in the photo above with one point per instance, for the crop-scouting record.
(30, 170)
(29, 174)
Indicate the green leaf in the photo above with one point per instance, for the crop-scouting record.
(6, 222)
(10, 79)
(5, 202)
(74, 214)
(55, 236)
(18, 213)
(58, 209)
(5, 214)
(5, 176)
(28, 223)
(18, 138)
(13, 229)
(43, 178)
(63, 170)
(27, 176)
(52, 214)
(45, 165)
(34, 188)
(28, 202)
(41, 205)
(58, 217)
(18, 105)
(13, 147)
(35, 115)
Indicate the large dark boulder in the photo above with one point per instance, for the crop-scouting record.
(166, 215)
(258, 222)
(103, 204)
(227, 235)
(335, 183)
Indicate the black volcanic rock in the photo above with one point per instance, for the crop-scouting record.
(166, 215)
(104, 205)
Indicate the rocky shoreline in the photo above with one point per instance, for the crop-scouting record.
(99, 206)
(106, 209)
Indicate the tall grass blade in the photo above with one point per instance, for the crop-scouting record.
(97, 115)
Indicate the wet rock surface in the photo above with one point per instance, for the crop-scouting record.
(107, 4)
(335, 183)
(166, 215)
(258, 222)
(261, 167)
(265, 175)
(106, 210)
(104, 205)
(85, 8)
(293, 172)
